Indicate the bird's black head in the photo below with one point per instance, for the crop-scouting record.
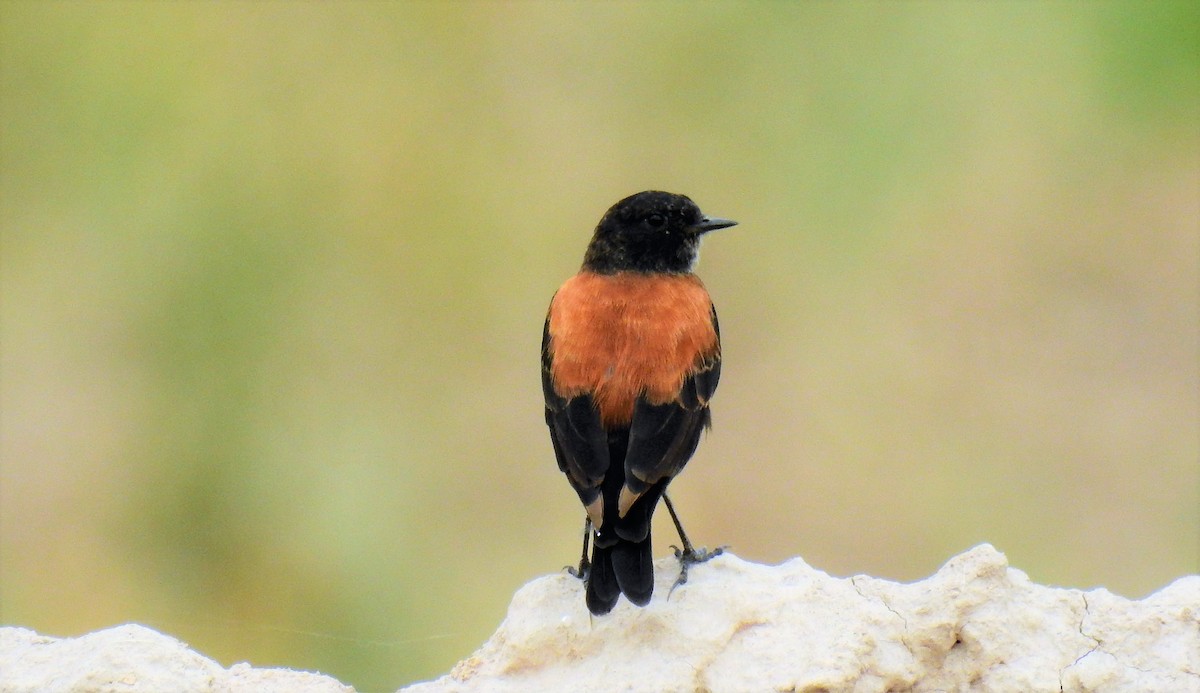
(650, 232)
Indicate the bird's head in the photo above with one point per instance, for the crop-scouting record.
(651, 231)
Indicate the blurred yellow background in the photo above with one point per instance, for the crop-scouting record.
(273, 280)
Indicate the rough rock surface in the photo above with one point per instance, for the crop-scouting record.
(134, 659)
(976, 625)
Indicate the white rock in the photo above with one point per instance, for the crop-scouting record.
(976, 625)
(134, 659)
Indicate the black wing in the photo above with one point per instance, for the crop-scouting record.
(580, 442)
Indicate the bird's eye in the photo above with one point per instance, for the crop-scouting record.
(656, 221)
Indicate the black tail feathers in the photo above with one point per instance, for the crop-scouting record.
(624, 567)
(622, 562)
(633, 565)
(602, 587)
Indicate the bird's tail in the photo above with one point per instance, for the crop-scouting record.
(622, 560)
(624, 567)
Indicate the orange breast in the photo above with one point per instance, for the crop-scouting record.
(619, 336)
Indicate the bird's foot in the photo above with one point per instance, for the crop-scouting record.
(689, 556)
(582, 572)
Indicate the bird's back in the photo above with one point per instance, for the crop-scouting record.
(623, 335)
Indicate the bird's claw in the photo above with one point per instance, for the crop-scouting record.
(692, 555)
(582, 572)
(688, 557)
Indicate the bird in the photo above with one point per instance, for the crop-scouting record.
(631, 357)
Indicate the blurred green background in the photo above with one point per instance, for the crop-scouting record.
(273, 280)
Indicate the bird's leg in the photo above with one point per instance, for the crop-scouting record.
(688, 555)
(585, 564)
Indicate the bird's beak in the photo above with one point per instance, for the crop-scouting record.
(707, 224)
